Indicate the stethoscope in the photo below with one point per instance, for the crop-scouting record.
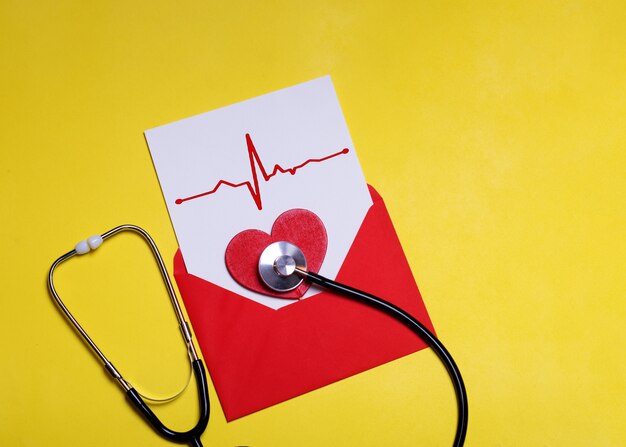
(192, 436)
(282, 267)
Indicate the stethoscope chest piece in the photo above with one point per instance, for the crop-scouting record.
(277, 265)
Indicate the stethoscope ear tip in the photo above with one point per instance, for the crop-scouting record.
(279, 265)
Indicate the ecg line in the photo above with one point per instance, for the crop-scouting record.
(255, 162)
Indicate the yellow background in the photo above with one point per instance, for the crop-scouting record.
(495, 131)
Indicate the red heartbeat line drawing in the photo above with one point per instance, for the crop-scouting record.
(255, 161)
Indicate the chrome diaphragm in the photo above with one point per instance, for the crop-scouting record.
(278, 266)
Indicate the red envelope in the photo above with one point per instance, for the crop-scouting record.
(258, 356)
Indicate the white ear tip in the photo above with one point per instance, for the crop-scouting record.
(82, 247)
(94, 241)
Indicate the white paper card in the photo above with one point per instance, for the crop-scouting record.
(203, 162)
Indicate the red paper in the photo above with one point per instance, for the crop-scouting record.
(258, 357)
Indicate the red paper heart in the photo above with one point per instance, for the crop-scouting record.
(298, 226)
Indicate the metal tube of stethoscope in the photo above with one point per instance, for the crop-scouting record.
(192, 436)
(93, 243)
(105, 361)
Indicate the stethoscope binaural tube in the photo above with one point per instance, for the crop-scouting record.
(282, 267)
(192, 436)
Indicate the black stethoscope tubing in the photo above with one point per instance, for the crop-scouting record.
(419, 329)
(283, 267)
